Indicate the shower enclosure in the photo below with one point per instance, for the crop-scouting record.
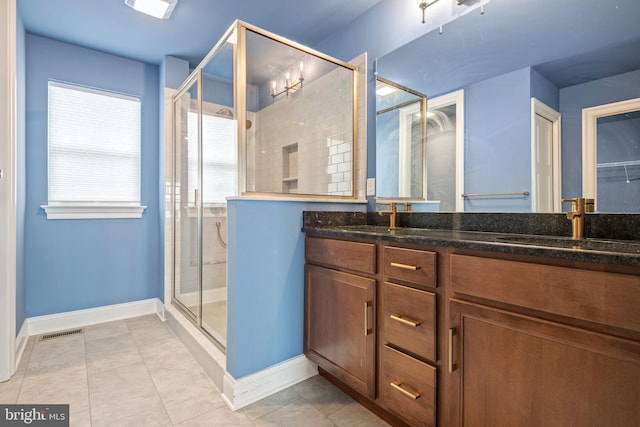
(205, 174)
(259, 116)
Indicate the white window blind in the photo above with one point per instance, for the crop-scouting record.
(219, 158)
(94, 146)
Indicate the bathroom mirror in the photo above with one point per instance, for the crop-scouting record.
(562, 56)
(611, 156)
(400, 141)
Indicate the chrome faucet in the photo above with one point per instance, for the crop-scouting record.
(579, 207)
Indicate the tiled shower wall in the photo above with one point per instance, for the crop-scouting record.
(319, 121)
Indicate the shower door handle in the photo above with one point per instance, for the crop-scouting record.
(196, 193)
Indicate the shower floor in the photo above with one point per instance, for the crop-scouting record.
(214, 319)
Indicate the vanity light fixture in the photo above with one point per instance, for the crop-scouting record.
(160, 9)
(289, 88)
(424, 4)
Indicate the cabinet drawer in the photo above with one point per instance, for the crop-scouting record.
(408, 387)
(595, 296)
(410, 265)
(354, 256)
(409, 319)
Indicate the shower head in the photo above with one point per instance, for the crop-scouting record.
(225, 112)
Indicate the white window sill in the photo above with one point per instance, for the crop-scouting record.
(92, 211)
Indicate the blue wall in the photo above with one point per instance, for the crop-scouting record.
(387, 149)
(498, 127)
(79, 264)
(21, 174)
(265, 302)
(544, 91)
(572, 100)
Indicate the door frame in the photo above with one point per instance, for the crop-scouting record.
(590, 118)
(404, 151)
(457, 98)
(8, 189)
(543, 110)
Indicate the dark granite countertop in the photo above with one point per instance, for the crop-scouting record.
(610, 251)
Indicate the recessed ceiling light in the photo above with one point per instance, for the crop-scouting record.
(160, 9)
(385, 90)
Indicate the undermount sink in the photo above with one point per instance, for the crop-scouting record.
(566, 242)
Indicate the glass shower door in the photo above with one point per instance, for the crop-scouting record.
(219, 180)
(186, 288)
(206, 172)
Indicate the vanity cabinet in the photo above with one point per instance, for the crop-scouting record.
(534, 344)
(448, 336)
(407, 337)
(340, 301)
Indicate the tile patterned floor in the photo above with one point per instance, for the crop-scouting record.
(135, 372)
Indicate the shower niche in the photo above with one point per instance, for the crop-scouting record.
(259, 116)
(290, 168)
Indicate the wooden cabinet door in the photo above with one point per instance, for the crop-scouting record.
(514, 370)
(339, 326)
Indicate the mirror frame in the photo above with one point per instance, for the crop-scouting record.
(423, 137)
(590, 118)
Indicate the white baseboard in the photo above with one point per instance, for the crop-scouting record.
(76, 319)
(246, 390)
(21, 342)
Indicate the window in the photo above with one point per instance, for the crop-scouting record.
(219, 158)
(94, 154)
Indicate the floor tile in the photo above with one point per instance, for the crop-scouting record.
(120, 393)
(111, 352)
(355, 414)
(80, 419)
(186, 394)
(219, 417)
(166, 353)
(183, 410)
(329, 400)
(105, 330)
(135, 372)
(150, 418)
(294, 414)
(65, 385)
(9, 392)
(56, 353)
(271, 403)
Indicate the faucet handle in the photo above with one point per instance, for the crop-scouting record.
(581, 204)
(589, 205)
(574, 203)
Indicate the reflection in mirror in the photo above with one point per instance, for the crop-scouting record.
(445, 151)
(400, 141)
(569, 55)
(612, 136)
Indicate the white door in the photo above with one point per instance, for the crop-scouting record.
(546, 171)
(544, 164)
(7, 187)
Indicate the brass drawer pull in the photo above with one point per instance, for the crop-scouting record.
(405, 266)
(452, 365)
(399, 386)
(367, 331)
(405, 320)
